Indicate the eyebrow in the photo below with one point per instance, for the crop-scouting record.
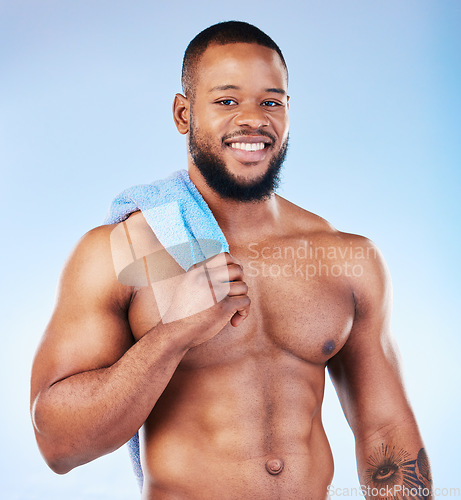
(276, 91)
(235, 87)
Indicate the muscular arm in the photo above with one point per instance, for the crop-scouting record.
(92, 385)
(367, 377)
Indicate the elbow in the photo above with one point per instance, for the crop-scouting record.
(62, 460)
(59, 459)
(59, 465)
(66, 445)
(381, 428)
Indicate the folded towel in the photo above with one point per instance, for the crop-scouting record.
(177, 213)
(184, 225)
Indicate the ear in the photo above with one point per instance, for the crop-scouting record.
(181, 113)
(288, 101)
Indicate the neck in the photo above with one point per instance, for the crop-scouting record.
(239, 221)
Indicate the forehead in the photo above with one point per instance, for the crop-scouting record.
(240, 64)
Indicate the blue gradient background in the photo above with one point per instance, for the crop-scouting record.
(86, 89)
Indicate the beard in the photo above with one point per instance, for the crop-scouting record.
(230, 186)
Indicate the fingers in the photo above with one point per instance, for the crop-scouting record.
(242, 304)
(237, 288)
(224, 274)
(221, 259)
(231, 275)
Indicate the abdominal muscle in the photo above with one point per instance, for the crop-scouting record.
(246, 430)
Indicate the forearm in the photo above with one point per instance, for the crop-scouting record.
(393, 463)
(93, 413)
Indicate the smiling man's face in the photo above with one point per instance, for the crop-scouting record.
(238, 132)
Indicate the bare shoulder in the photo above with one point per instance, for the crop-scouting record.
(89, 267)
(370, 279)
(88, 286)
(299, 219)
(98, 259)
(359, 259)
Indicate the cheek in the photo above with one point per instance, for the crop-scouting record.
(210, 135)
(207, 141)
(283, 125)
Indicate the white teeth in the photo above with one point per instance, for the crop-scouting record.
(248, 146)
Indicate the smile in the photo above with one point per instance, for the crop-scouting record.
(248, 146)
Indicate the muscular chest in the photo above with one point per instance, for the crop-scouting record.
(308, 315)
(294, 310)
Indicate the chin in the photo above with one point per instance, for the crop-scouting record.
(247, 173)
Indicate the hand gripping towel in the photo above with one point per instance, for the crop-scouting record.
(184, 225)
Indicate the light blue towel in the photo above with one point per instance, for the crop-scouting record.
(178, 215)
(184, 225)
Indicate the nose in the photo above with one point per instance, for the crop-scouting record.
(251, 115)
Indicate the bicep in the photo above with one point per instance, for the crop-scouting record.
(366, 372)
(367, 378)
(89, 327)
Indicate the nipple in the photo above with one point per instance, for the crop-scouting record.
(328, 347)
(274, 466)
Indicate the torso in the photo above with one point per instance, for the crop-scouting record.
(241, 416)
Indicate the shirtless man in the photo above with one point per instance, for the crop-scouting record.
(229, 398)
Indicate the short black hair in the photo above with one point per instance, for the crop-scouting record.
(222, 34)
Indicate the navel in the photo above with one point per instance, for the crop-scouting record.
(274, 466)
(328, 347)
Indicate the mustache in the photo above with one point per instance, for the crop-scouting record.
(239, 133)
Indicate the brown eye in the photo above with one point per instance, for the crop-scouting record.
(384, 473)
